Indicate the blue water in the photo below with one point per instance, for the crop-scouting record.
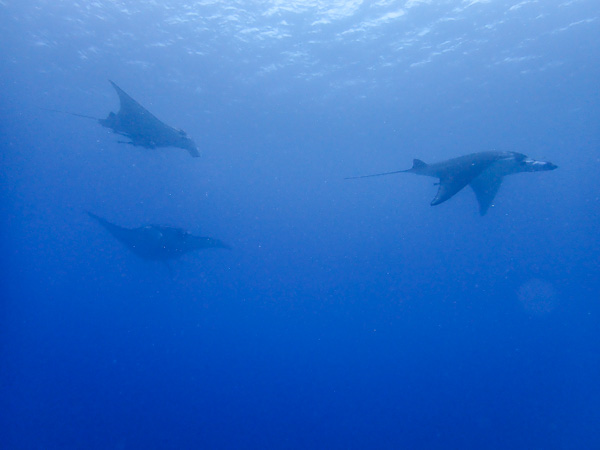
(349, 314)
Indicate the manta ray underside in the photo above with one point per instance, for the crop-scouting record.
(157, 242)
(142, 128)
(482, 171)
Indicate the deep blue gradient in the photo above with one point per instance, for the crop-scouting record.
(348, 314)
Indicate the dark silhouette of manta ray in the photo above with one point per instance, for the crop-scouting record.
(158, 242)
(141, 127)
(482, 171)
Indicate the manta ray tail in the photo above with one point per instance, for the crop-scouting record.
(417, 164)
(379, 174)
(70, 113)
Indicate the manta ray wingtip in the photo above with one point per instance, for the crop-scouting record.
(194, 152)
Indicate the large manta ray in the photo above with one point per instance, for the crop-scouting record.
(140, 126)
(482, 171)
(158, 242)
(143, 129)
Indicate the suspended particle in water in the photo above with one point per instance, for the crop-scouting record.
(538, 296)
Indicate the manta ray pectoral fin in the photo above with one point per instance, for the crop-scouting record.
(485, 187)
(448, 186)
(194, 152)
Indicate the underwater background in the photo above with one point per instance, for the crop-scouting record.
(348, 314)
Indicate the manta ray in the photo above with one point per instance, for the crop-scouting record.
(482, 171)
(141, 127)
(155, 242)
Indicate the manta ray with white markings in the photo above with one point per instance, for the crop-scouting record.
(482, 171)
